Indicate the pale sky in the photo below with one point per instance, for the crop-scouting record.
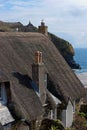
(65, 18)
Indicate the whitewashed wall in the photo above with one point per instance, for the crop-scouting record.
(67, 115)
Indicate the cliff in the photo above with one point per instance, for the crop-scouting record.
(66, 49)
(63, 46)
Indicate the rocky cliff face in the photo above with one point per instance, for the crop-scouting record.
(66, 50)
(64, 47)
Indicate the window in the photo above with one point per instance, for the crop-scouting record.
(3, 94)
(74, 107)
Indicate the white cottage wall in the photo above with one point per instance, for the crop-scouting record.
(67, 115)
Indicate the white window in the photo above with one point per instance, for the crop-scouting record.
(54, 114)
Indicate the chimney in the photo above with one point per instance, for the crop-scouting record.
(43, 28)
(38, 57)
(38, 75)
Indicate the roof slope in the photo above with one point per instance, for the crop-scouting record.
(13, 68)
(3, 77)
(17, 54)
(25, 98)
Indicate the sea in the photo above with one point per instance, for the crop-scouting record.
(81, 58)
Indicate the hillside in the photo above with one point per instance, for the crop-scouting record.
(63, 46)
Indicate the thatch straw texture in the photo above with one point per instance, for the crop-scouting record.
(17, 55)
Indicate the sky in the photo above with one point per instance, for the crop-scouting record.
(65, 18)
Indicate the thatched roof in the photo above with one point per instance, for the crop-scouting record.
(13, 68)
(84, 100)
(26, 103)
(3, 77)
(17, 55)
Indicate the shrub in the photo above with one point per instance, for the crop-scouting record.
(80, 123)
(82, 114)
(83, 110)
(70, 129)
(48, 124)
(54, 127)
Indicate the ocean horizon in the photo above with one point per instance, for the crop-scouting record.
(81, 59)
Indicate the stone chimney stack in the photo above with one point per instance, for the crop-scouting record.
(38, 57)
(43, 29)
(38, 75)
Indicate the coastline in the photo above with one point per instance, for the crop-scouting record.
(83, 78)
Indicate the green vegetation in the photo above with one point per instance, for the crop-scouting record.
(80, 123)
(70, 129)
(82, 114)
(48, 124)
(54, 128)
(83, 111)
